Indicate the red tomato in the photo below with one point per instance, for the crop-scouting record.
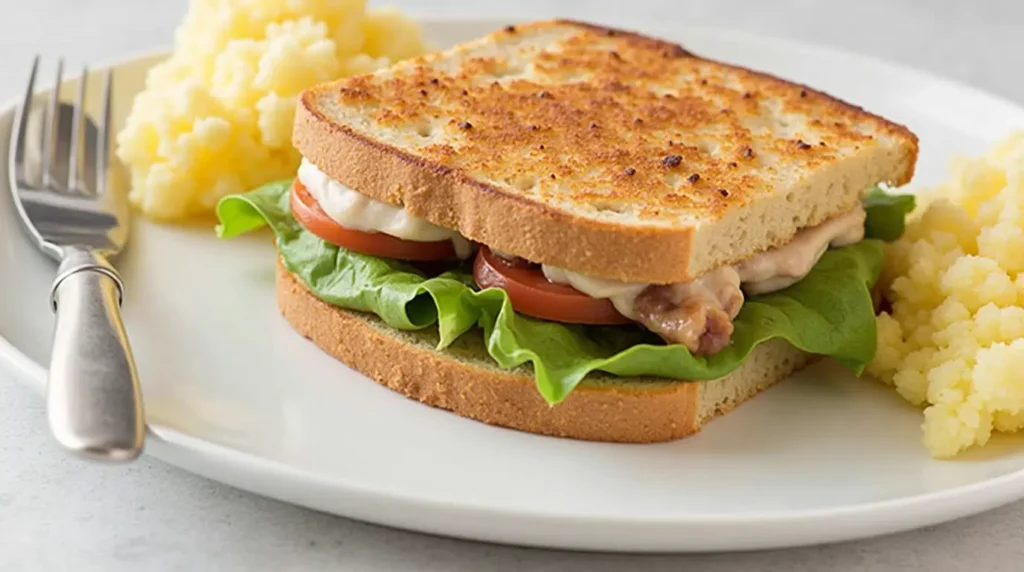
(532, 294)
(309, 214)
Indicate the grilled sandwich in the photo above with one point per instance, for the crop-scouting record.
(580, 231)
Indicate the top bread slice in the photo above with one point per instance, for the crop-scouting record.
(599, 150)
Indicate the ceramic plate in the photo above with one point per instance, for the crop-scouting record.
(232, 393)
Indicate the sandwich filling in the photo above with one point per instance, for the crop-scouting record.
(698, 314)
(425, 288)
(356, 211)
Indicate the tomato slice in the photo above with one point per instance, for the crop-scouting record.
(309, 214)
(532, 294)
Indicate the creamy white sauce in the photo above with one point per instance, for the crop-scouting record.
(621, 294)
(352, 209)
(782, 267)
(768, 271)
(765, 272)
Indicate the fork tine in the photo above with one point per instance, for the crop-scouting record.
(103, 135)
(75, 177)
(21, 127)
(48, 153)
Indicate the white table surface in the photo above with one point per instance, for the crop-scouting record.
(57, 513)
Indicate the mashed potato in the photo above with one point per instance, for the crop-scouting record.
(954, 341)
(216, 117)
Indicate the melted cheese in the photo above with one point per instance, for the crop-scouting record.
(352, 209)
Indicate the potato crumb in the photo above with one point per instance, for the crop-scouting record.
(954, 341)
(216, 116)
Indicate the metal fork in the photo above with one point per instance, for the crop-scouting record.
(64, 192)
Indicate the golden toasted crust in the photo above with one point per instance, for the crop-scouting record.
(599, 150)
(639, 410)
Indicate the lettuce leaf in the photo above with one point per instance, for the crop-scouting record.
(829, 312)
(393, 290)
(887, 213)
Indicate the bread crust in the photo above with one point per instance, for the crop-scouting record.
(511, 222)
(486, 213)
(644, 411)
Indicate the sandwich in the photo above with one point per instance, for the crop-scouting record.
(580, 231)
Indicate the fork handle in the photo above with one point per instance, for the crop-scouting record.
(94, 401)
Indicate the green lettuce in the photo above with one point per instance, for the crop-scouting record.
(829, 312)
(887, 214)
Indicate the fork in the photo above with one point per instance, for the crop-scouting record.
(69, 204)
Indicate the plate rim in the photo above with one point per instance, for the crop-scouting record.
(198, 456)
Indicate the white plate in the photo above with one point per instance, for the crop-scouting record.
(233, 394)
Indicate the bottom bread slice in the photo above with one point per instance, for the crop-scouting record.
(465, 380)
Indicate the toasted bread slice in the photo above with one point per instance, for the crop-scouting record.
(465, 380)
(600, 151)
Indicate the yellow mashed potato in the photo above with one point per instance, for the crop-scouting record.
(216, 116)
(954, 341)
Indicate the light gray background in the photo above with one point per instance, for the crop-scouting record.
(57, 513)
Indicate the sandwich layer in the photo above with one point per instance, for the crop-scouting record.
(464, 380)
(600, 151)
(697, 314)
